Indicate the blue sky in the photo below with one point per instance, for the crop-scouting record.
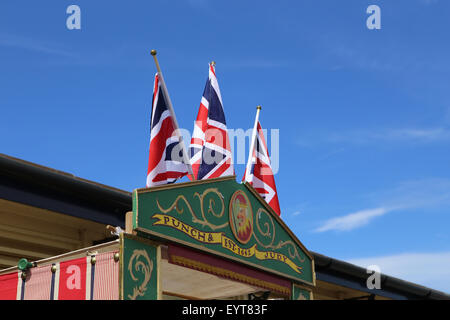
(364, 115)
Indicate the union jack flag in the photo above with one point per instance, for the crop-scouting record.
(259, 171)
(165, 161)
(210, 149)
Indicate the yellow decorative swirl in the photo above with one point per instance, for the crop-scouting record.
(146, 267)
(201, 197)
(292, 249)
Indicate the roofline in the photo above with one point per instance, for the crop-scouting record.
(48, 178)
(325, 264)
(22, 168)
(32, 184)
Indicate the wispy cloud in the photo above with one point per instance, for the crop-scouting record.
(358, 58)
(361, 137)
(254, 63)
(419, 135)
(428, 269)
(428, 2)
(353, 220)
(393, 58)
(20, 42)
(413, 194)
(447, 116)
(331, 154)
(296, 213)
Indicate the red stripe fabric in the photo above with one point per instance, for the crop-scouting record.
(164, 176)
(197, 141)
(217, 136)
(72, 282)
(38, 283)
(8, 286)
(211, 67)
(219, 171)
(106, 280)
(158, 143)
(72, 279)
(155, 90)
(202, 117)
(261, 136)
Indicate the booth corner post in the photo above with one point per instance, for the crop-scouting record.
(139, 270)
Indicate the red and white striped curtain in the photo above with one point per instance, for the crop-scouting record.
(76, 279)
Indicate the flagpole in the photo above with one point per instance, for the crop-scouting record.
(252, 143)
(169, 104)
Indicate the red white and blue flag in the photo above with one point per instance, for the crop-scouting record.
(210, 150)
(165, 161)
(259, 172)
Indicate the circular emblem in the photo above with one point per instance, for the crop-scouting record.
(241, 217)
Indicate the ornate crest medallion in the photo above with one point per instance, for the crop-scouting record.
(241, 217)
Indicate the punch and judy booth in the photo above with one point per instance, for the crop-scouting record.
(210, 239)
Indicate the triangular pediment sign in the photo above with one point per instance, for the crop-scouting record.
(226, 219)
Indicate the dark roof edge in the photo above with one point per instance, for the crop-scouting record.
(326, 264)
(40, 175)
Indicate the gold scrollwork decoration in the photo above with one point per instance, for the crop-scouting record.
(270, 233)
(145, 267)
(201, 197)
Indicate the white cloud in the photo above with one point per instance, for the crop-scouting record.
(413, 194)
(352, 220)
(427, 269)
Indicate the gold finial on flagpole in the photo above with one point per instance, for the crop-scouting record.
(258, 107)
(153, 53)
(213, 63)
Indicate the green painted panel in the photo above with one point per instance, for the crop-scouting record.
(299, 293)
(139, 269)
(225, 218)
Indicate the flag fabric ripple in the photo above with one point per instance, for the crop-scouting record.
(261, 175)
(165, 162)
(210, 150)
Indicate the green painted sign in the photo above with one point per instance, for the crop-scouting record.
(225, 218)
(139, 269)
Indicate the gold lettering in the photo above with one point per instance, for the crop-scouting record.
(227, 243)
